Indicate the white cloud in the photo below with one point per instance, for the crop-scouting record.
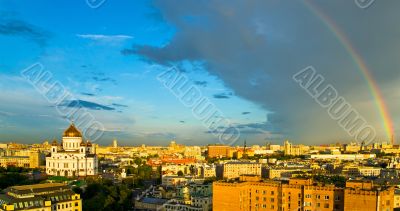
(105, 38)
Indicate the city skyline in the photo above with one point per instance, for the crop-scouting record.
(242, 57)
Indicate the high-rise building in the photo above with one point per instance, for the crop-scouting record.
(115, 143)
(73, 157)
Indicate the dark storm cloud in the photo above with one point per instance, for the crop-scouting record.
(12, 27)
(256, 47)
(85, 104)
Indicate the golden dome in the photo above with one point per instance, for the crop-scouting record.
(72, 132)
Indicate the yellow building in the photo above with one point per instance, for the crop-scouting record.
(352, 148)
(218, 151)
(47, 197)
(298, 194)
(294, 150)
(361, 196)
(26, 159)
(235, 169)
(273, 173)
(397, 198)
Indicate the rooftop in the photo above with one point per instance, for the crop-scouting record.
(72, 131)
(37, 186)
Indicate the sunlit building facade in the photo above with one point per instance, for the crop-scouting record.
(73, 157)
(43, 197)
(299, 194)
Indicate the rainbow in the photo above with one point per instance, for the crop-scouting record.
(376, 93)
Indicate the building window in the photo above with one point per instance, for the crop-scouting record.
(326, 205)
(326, 197)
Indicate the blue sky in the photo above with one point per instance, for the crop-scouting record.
(241, 57)
(81, 47)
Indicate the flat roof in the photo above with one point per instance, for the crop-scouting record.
(38, 186)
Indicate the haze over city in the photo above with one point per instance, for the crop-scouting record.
(242, 57)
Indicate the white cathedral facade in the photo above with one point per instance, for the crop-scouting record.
(73, 157)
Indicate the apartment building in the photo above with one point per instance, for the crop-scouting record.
(299, 194)
(279, 172)
(233, 170)
(366, 171)
(26, 159)
(208, 171)
(218, 151)
(294, 150)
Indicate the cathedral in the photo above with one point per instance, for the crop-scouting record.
(73, 157)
